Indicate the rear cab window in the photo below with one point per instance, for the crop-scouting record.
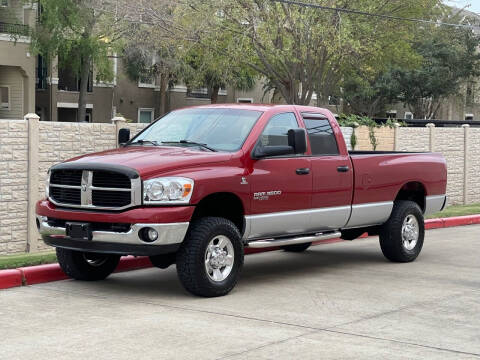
(320, 134)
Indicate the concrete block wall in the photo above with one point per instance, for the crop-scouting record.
(473, 166)
(385, 137)
(449, 142)
(13, 185)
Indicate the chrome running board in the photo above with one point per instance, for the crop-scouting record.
(291, 241)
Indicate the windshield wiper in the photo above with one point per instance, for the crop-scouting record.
(189, 142)
(142, 142)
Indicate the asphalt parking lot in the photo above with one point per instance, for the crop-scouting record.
(341, 300)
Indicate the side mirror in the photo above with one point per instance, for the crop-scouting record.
(297, 139)
(123, 136)
(275, 150)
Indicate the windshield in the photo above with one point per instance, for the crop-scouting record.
(214, 129)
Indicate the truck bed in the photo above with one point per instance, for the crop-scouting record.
(379, 174)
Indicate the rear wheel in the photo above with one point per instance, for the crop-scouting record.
(297, 247)
(401, 237)
(85, 265)
(211, 257)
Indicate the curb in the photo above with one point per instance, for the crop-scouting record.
(51, 272)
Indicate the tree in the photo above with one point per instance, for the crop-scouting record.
(184, 51)
(202, 67)
(81, 33)
(450, 57)
(302, 50)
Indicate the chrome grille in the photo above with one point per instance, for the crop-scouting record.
(94, 189)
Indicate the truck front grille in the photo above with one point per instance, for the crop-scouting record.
(94, 189)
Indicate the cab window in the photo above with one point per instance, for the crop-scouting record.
(321, 136)
(276, 131)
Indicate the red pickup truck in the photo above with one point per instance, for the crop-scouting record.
(201, 184)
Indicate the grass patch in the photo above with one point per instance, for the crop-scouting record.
(457, 210)
(20, 260)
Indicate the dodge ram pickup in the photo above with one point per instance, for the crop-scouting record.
(201, 184)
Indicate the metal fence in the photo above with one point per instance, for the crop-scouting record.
(14, 29)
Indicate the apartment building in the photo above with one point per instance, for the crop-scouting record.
(17, 65)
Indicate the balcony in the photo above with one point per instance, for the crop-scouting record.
(14, 29)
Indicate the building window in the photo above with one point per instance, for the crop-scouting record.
(4, 97)
(3, 3)
(41, 73)
(147, 80)
(145, 115)
(68, 80)
(469, 117)
(245, 100)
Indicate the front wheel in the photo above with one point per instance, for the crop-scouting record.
(401, 237)
(85, 265)
(211, 257)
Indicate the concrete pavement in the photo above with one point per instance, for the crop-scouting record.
(340, 300)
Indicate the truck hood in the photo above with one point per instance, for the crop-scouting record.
(151, 161)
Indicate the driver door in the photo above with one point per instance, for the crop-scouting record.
(281, 185)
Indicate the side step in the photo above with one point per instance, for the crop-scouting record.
(258, 244)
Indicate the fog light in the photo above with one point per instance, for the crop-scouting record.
(152, 234)
(148, 234)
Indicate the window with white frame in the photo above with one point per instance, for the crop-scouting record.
(148, 79)
(4, 97)
(245, 100)
(146, 115)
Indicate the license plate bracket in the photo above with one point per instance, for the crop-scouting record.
(78, 231)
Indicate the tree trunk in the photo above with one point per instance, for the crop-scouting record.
(214, 94)
(163, 93)
(82, 100)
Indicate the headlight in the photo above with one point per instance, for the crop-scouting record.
(167, 190)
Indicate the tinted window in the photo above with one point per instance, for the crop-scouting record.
(276, 131)
(322, 139)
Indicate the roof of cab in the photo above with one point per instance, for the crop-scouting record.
(260, 107)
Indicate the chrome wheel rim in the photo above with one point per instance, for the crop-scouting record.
(219, 258)
(95, 260)
(410, 232)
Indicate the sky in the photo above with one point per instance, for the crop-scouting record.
(474, 4)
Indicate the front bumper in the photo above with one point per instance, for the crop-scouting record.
(170, 236)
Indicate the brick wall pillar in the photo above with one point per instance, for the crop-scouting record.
(466, 161)
(431, 145)
(119, 122)
(32, 196)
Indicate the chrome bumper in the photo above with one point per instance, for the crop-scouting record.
(168, 234)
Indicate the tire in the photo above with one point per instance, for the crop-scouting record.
(163, 261)
(203, 265)
(297, 247)
(86, 266)
(399, 245)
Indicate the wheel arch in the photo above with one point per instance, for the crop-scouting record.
(222, 204)
(414, 191)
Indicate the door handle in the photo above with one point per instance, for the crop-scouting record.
(303, 171)
(343, 168)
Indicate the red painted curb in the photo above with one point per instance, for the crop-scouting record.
(42, 273)
(461, 220)
(10, 278)
(52, 272)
